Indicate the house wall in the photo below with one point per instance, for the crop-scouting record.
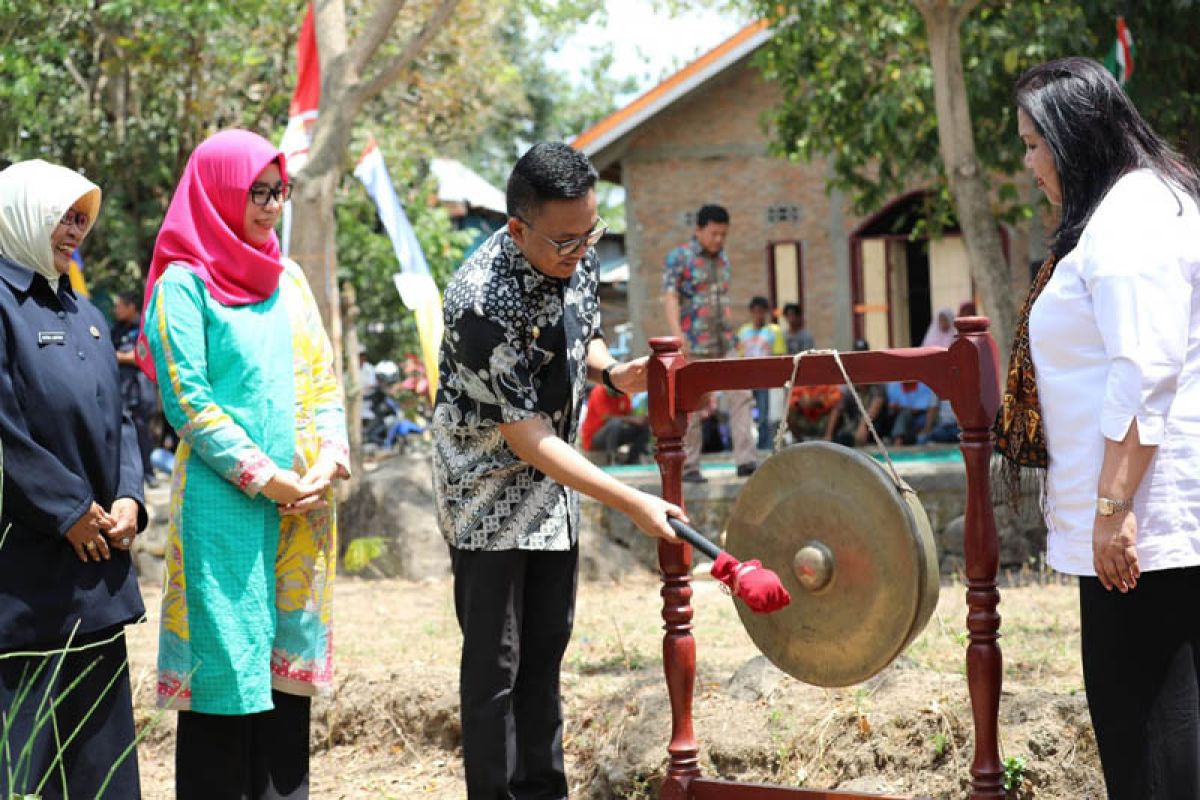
(712, 148)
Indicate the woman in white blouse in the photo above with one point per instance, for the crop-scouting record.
(1104, 392)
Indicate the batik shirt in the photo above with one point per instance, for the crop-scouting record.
(515, 348)
(701, 282)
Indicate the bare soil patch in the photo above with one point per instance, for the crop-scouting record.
(391, 729)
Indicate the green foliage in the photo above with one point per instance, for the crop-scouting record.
(124, 90)
(361, 552)
(1165, 84)
(858, 87)
(1014, 773)
(554, 107)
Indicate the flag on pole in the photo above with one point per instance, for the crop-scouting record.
(302, 112)
(1119, 60)
(75, 275)
(414, 281)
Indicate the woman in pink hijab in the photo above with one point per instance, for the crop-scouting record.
(246, 376)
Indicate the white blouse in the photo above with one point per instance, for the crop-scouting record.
(1115, 336)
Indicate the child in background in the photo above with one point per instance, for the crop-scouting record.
(758, 338)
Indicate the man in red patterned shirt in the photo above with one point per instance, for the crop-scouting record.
(696, 301)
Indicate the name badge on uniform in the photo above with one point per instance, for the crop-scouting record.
(52, 337)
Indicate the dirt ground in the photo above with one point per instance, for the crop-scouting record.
(391, 729)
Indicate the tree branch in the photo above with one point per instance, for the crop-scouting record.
(964, 10)
(375, 34)
(365, 90)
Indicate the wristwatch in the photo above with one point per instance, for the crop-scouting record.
(606, 376)
(1106, 506)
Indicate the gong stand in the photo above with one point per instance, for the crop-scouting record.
(966, 375)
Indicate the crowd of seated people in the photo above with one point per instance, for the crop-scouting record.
(902, 413)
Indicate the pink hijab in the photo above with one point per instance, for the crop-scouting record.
(203, 228)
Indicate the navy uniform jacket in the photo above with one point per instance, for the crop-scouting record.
(67, 442)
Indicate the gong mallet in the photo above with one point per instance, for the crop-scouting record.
(758, 586)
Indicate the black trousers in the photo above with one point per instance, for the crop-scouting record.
(515, 608)
(260, 756)
(617, 432)
(141, 423)
(1141, 669)
(104, 733)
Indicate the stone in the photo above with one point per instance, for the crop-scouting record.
(754, 680)
(395, 503)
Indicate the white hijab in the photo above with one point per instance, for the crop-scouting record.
(34, 195)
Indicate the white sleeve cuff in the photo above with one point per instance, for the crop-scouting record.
(1151, 427)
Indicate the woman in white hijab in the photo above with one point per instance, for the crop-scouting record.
(940, 332)
(72, 504)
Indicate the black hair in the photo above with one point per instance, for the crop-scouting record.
(548, 171)
(711, 213)
(1095, 135)
(758, 301)
(130, 297)
(792, 307)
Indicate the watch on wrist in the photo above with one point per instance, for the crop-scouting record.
(606, 376)
(1106, 506)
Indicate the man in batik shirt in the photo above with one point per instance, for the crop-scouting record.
(522, 340)
(696, 302)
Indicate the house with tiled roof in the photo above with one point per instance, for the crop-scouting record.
(700, 136)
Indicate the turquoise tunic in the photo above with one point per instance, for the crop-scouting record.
(250, 390)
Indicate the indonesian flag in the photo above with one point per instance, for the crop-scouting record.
(414, 281)
(1119, 60)
(302, 113)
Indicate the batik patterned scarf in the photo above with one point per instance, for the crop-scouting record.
(1020, 437)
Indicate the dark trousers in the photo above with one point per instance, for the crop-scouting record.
(762, 400)
(141, 423)
(104, 733)
(617, 432)
(1140, 668)
(260, 756)
(515, 608)
(907, 424)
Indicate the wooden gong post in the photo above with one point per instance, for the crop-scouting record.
(985, 662)
(675, 562)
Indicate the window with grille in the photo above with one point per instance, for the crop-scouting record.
(782, 213)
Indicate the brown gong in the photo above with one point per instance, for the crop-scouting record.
(853, 548)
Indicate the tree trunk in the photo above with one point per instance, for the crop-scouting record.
(352, 385)
(314, 226)
(968, 185)
(313, 246)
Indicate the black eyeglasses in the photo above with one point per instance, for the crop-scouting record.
(73, 218)
(569, 246)
(261, 195)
